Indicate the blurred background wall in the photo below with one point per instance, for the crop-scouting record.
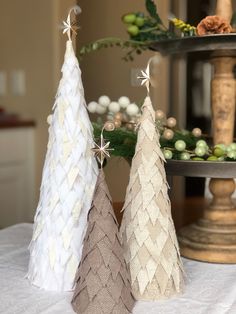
(33, 45)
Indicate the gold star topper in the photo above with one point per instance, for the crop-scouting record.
(102, 151)
(69, 27)
(145, 77)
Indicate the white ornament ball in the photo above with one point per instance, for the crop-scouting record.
(100, 109)
(114, 107)
(92, 106)
(49, 119)
(104, 101)
(132, 110)
(123, 102)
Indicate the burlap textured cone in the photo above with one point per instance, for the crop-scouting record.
(102, 280)
(148, 233)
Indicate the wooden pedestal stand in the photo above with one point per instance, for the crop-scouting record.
(213, 238)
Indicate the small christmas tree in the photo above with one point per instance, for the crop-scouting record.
(148, 233)
(68, 182)
(102, 281)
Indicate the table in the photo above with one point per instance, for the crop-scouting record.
(210, 288)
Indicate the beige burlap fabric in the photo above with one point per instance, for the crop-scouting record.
(147, 230)
(102, 281)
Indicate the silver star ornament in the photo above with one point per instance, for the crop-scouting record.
(145, 78)
(102, 151)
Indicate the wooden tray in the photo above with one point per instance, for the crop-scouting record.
(205, 169)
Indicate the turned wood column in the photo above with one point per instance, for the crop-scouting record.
(223, 94)
(224, 8)
(223, 100)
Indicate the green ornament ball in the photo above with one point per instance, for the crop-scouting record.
(139, 21)
(201, 143)
(228, 149)
(168, 154)
(218, 152)
(180, 145)
(197, 159)
(221, 146)
(129, 18)
(200, 151)
(133, 30)
(232, 146)
(212, 158)
(231, 154)
(185, 156)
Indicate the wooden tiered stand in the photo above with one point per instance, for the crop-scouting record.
(213, 237)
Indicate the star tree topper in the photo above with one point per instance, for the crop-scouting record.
(145, 77)
(69, 26)
(102, 151)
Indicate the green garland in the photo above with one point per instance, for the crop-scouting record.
(123, 141)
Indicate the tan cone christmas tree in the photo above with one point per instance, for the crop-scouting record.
(148, 233)
(102, 281)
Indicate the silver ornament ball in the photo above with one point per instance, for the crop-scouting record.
(171, 122)
(160, 114)
(197, 132)
(168, 134)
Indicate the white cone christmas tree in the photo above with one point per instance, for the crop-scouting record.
(68, 182)
(147, 230)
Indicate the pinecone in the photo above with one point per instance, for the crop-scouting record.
(213, 25)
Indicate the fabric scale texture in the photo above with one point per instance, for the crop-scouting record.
(68, 182)
(102, 281)
(147, 230)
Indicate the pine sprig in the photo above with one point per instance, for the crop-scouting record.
(142, 33)
(132, 46)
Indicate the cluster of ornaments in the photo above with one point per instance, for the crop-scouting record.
(124, 114)
(167, 126)
(134, 22)
(201, 151)
(121, 112)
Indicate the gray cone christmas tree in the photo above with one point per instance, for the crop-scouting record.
(147, 229)
(102, 283)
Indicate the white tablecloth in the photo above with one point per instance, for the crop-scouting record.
(210, 288)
